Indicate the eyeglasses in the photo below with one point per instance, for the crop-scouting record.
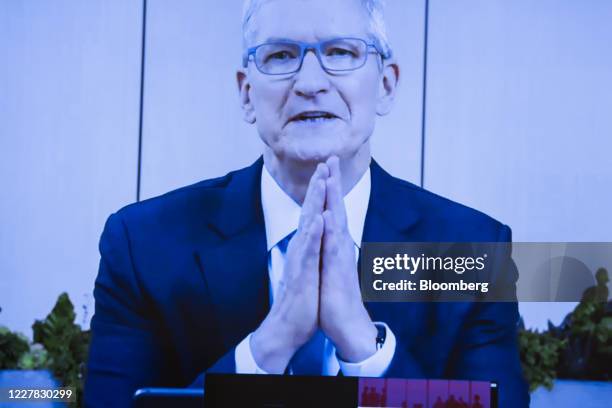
(335, 55)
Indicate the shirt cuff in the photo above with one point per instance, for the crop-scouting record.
(377, 364)
(245, 362)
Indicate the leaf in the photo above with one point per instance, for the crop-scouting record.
(12, 347)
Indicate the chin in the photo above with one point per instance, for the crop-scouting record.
(309, 157)
(314, 147)
(312, 152)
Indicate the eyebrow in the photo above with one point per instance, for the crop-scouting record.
(275, 39)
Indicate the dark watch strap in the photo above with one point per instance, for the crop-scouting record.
(381, 336)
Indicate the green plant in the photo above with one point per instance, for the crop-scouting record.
(35, 359)
(12, 347)
(540, 354)
(588, 331)
(59, 346)
(579, 348)
(65, 343)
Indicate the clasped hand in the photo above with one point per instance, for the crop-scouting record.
(320, 286)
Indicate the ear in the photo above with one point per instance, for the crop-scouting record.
(388, 87)
(244, 89)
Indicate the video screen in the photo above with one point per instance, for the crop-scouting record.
(404, 200)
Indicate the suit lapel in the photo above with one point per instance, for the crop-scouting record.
(234, 266)
(390, 214)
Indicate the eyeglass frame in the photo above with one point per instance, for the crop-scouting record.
(316, 48)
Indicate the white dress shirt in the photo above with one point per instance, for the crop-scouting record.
(281, 216)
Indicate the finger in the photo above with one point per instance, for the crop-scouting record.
(312, 241)
(330, 237)
(315, 196)
(305, 247)
(334, 197)
(329, 229)
(337, 248)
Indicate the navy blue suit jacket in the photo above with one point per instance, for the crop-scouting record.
(183, 279)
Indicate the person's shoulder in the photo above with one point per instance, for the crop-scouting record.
(440, 213)
(179, 200)
(443, 207)
(185, 207)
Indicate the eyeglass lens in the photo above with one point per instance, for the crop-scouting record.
(335, 55)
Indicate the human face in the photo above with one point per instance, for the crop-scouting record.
(312, 114)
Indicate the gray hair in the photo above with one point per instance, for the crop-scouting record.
(374, 9)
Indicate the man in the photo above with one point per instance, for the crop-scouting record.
(255, 272)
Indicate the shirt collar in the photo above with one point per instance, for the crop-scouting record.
(282, 214)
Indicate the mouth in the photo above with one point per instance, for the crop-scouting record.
(313, 117)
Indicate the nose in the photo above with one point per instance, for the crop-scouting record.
(311, 79)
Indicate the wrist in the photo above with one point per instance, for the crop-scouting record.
(357, 342)
(272, 347)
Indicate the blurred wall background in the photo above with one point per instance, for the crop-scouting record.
(503, 106)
